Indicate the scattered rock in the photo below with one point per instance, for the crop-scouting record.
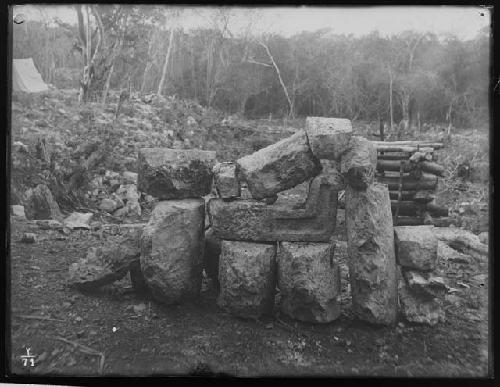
(279, 166)
(372, 262)
(18, 211)
(108, 205)
(78, 220)
(49, 224)
(483, 237)
(463, 241)
(29, 237)
(175, 173)
(172, 250)
(247, 278)
(446, 253)
(39, 204)
(309, 281)
(416, 247)
(130, 177)
(328, 137)
(425, 283)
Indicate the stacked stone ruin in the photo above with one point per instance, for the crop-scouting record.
(261, 244)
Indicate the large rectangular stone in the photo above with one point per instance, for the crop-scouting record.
(328, 137)
(247, 277)
(175, 173)
(251, 220)
(416, 247)
(372, 261)
(279, 166)
(226, 180)
(309, 281)
(172, 246)
(359, 163)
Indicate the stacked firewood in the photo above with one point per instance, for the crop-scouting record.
(411, 171)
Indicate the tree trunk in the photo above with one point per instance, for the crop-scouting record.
(390, 101)
(148, 63)
(165, 65)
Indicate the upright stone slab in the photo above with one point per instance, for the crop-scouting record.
(40, 204)
(359, 163)
(416, 247)
(372, 262)
(175, 173)
(172, 245)
(279, 166)
(308, 279)
(247, 277)
(226, 180)
(328, 137)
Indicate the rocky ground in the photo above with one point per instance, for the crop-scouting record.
(89, 163)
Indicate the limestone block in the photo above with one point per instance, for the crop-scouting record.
(226, 180)
(328, 137)
(172, 250)
(175, 173)
(359, 163)
(308, 279)
(416, 247)
(372, 262)
(247, 276)
(279, 166)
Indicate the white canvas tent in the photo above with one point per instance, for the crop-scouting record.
(25, 77)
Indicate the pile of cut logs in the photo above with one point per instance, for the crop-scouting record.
(410, 170)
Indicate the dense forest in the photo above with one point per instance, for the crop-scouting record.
(407, 80)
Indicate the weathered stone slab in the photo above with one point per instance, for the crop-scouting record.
(78, 220)
(226, 180)
(251, 220)
(308, 279)
(279, 166)
(359, 163)
(416, 247)
(211, 255)
(40, 204)
(172, 250)
(175, 173)
(425, 283)
(247, 276)
(18, 211)
(104, 265)
(372, 262)
(328, 137)
(418, 308)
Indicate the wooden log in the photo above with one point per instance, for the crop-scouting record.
(410, 208)
(431, 167)
(421, 144)
(393, 156)
(395, 165)
(422, 197)
(421, 156)
(427, 182)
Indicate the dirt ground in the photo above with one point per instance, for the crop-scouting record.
(114, 331)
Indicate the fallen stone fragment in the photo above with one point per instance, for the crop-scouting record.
(29, 237)
(172, 250)
(49, 224)
(175, 173)
(463, 241)
(279, 166)
(308, 279)
(78, 220)
(247, 278)
(425, 283)
(446, 253)
(416, 247)
(226, 180)
(108, 205)
(328, 137)
(39, 204)
(211, 255)
(250, 220)
(417, 308)
(104, 265)
(18, 211)
(359, 163)
(372, 262)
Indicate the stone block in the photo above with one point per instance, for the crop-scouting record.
(372, 262)
(247, 276)
(17, 211)
(250, 220)
(279, 166)
(416, 247)
(175, 173)
(40, 204)
(172, 250)
(309, 281)
(328, 137)
(358, 164)
(425, 283)
(226, 180)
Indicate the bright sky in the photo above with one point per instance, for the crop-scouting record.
(464, 22)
